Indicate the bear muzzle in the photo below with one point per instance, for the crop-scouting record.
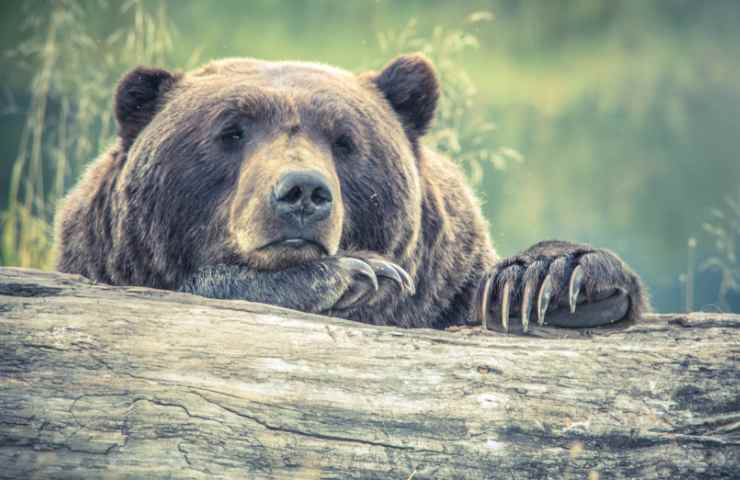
(302, 199)
(288, 207)
(301, 202)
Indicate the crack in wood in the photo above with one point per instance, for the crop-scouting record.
(319, 436)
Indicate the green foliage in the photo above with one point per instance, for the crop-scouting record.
(69, 120)
(460, 130)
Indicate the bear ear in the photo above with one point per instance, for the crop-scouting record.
(138, 97)
(410, 85)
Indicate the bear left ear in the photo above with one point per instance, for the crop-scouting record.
(138, 98)
(410, 85)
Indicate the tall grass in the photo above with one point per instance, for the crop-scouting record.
(70, 118)
(724, 229)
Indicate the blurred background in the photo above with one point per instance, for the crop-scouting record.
(610, 122)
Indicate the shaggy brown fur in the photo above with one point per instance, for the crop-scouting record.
(186, 199)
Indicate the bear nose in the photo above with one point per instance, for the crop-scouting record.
(302, 197)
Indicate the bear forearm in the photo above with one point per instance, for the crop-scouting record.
(312, 287)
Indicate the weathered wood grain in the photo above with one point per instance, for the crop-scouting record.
(105, 382)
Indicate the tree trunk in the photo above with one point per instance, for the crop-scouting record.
(107, 382)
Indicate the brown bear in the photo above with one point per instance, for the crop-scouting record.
(308, 187)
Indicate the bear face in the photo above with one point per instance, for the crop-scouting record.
(268, 164)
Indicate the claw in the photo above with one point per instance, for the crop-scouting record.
(408, 283)
(574, 287)
(505, 300)
(526, 303)
(484, 299)
(386, 270)
(543, 299)
(398, 274)
(357, 293)
(362, 269)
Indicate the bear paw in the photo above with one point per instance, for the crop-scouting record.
(573, 287)
(366, 278)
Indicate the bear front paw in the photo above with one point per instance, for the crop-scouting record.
(366, 277)
(575, 287)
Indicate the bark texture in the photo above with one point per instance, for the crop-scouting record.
(109, 382)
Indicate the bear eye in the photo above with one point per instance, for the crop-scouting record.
(343, 145)
(232, 136)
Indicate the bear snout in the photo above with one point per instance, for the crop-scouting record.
(301, 199)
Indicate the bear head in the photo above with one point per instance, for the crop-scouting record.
(268, 164)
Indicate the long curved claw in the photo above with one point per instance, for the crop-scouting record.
(574, 287)
(361, 269)
(408, 282)
(543, 299)
(387, 270)
(363, 280)
(485, 297)
(529, 288)
(505, 303)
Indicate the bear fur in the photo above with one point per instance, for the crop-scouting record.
(185, 199)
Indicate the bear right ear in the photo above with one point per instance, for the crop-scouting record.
(410, 85)
(138, 97)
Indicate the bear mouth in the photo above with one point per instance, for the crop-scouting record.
(296, 243)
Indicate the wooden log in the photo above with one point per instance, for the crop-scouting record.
(108, 382)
